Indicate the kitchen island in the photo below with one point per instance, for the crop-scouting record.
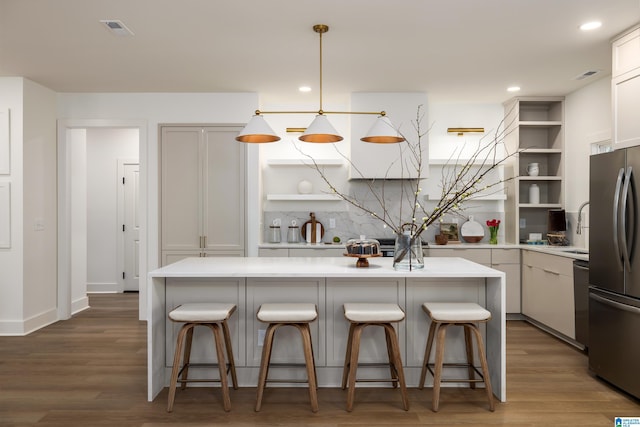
(328, 283)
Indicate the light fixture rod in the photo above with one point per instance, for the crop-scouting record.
(378, 113)
(320, 29)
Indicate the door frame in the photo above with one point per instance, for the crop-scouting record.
(65, 235)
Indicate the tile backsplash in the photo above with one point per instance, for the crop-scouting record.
(354, 224)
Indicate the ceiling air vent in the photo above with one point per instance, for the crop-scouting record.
(116, 27)
(586, 74)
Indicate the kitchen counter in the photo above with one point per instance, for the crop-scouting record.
(329, 283)
(565, 251)
(302, 245)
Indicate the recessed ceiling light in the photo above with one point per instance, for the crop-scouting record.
(590, 25)
(116, 27)
(513, 89)
(304, 89)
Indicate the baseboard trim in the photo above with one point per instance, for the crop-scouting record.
(103, 288)
(27, 326)
(79, 305)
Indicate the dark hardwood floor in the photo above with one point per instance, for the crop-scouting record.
(91, 371)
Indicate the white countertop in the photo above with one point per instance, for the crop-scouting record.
(318, 267)
(564, 251)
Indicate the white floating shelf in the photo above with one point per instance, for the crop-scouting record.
(540, 123)
(540, 178)
(541, 151)
(488, 197)
(457, 162)
(304, 162)
(304, 197)
(541, 205)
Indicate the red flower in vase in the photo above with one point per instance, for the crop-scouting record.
(493, 223)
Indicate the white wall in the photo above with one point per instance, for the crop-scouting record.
(40, 204)
(28, 284)
(104, 148)
(78, 203)
(155, 109)
(11, 260)
(587, 120)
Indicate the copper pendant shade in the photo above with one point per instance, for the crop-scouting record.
(320, 130)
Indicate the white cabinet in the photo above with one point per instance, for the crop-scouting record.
(505, 260)
(186, 290)
(373, 347)
(479, 255)
(547, 291)
(508, 261)
(302, 290)
(625, 89)
(383, 160)
(302, 252)
(202, 192)
(535, 128)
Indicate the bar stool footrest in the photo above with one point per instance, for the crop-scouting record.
(431, 366)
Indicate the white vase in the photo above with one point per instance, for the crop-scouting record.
(534, 194)
(305, 187)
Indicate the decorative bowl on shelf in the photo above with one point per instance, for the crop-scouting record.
(362, 249)
(472, 231)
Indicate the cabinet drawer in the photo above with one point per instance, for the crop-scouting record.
(273, 252)
(505, 256)
(549, 263)
(481, 256)
(319, 252)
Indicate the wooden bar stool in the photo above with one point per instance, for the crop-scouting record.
(214, 316)
(444, 314)
(298, 315)
(361, 315)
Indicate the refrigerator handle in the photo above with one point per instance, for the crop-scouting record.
(623, 218)
(616, 210)
(615, 304)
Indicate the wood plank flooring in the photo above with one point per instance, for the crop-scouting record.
(91, 371)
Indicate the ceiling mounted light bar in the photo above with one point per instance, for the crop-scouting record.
(320, 130)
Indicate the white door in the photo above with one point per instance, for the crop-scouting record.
(131, 227)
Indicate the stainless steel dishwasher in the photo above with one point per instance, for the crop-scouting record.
(581, 300)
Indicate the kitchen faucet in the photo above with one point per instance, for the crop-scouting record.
(579, 226)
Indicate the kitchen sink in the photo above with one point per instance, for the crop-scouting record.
(575, 251)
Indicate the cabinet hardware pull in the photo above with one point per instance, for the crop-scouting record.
(550, 271)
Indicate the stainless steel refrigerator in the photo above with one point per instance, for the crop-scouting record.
(614, 268)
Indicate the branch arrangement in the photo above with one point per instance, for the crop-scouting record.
(461, 180)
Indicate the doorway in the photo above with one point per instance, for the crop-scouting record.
(72, 280)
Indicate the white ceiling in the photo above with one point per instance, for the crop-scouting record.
(457, 50)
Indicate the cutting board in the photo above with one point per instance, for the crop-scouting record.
(315, 224)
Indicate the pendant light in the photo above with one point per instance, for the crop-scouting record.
(320, 130)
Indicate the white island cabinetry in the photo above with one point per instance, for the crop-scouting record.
(505, 259)
(328, 283)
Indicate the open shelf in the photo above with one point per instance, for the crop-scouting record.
(304, 197)
(305, 162)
